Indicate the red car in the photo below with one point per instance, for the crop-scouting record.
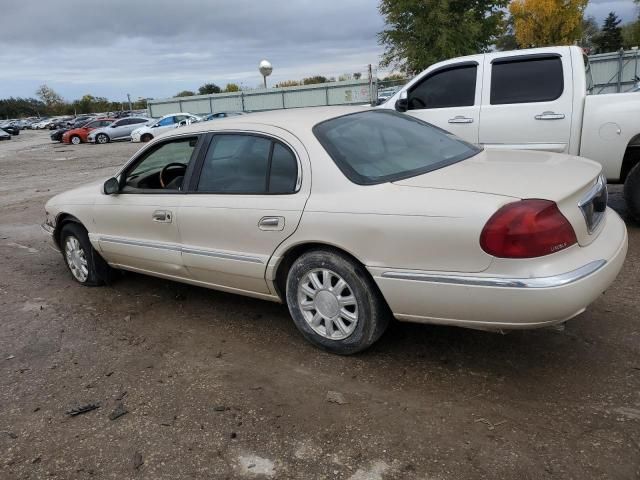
(79, 135)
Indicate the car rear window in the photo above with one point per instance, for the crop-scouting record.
(380, 146)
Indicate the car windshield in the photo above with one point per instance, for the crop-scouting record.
(379, 146)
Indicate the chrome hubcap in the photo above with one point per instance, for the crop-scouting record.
(76, 259)
(328, 304)
(75, 140)
(102, 139)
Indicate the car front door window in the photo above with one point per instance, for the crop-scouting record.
(163, 168)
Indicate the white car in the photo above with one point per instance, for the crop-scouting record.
(119, 130)
(350, 216)
(167, 122)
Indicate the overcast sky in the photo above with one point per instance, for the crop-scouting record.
(157, 48)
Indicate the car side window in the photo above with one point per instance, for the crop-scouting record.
(453, 87)
(535, 79)
(163, 167)
(166, 121)
(248, 164)
(283, 174)
(104, 123)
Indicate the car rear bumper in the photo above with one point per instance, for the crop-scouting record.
(499, 302)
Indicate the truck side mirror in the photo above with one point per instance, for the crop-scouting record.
(402, 104)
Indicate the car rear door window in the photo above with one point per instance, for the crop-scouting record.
(453, 87)
(526, 80)
(283, 173)
(248, 164)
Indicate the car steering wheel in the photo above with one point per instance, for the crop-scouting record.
(166, 168)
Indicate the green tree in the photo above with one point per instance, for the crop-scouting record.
(54, 102)
(610, 38)
(315, 79)
(631, 34)
(185, 93)
(507, 41)
(590, 31)
(357, 76)
(288, 83)
(209, 88)
(419, 33)
(232, 87)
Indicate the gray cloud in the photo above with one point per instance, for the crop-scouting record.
(159, 47)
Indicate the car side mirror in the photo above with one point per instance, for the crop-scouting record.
(402, 104)
(113, 126)
(111, 186)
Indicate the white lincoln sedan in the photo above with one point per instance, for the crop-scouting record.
(352, 217)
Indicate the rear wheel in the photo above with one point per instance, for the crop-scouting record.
(85, 264)
(76, 140)
(334, 302)
(146, 137)
(102, 138)
(632, 192)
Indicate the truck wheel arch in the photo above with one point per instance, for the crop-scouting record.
(631, 157)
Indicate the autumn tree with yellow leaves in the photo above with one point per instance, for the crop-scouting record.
(540, 23)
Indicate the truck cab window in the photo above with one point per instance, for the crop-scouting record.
(452, 87)
(526, 80)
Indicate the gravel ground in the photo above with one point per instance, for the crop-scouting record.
(220, 386)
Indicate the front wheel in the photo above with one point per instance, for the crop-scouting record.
(102, 138)
(334, 302)
(632, 192)
(85, 264)
(146, 138)
(76, 140)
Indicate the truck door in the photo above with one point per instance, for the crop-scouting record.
(527, 102)
(449, 97)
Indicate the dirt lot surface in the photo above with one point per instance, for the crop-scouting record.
(220, 386)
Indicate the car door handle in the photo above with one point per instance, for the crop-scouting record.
(162, 216)
(549, 116)
(271, 223)
(460, 119)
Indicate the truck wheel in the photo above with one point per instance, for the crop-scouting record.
(632, 192)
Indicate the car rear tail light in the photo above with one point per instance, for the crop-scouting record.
(526, 229)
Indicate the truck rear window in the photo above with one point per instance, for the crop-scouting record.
(378, 146)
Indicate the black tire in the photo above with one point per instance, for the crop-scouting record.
(75, 140)
(632, 192)
(102, 138)
(147, 137)
(98, 271)
(372, 312)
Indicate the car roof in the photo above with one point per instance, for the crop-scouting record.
(292, 119)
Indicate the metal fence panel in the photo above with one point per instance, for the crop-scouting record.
(160, 109)
(231, 103)
(615, 71)
(263, 101)
(332, 93)
(305, 98)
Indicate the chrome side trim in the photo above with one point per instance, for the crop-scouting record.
(225, 255)
(138, 243)
(534, 282)
(177, 248)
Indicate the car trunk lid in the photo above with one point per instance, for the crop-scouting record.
(571, 182)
